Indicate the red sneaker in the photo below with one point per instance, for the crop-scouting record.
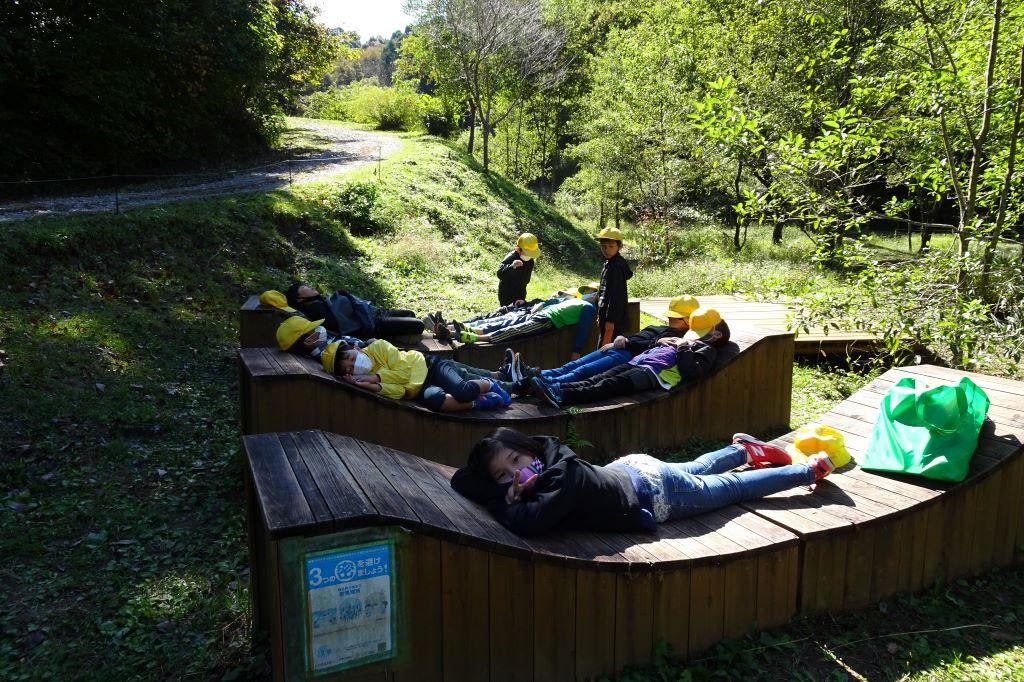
(759, 453)
(821, 465)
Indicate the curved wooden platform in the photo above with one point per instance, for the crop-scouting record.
(751, 385)
(591, 603)
(258, 326)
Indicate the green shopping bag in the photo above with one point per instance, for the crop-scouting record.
(928, 431)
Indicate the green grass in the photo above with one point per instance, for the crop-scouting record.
(121, 506)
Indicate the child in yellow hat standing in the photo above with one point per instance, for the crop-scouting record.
(612, 298)
(515, 271)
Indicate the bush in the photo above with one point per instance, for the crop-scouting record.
(328, 104)
(384, 108)
(437, 119)
(355, 205)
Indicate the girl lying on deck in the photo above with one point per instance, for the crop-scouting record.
(533, 485)
(440, 384)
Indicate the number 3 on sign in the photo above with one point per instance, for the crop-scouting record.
(315, 577)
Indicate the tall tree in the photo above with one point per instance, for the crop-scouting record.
(504, 50)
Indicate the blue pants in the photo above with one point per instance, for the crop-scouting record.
(446, 377)
(691, 488)
(586, 321)
(589, 365)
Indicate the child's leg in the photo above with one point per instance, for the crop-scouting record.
(534, 325)
(589, 365)
(610, 384)
(387, 325)
(717, 462)
(469, 372)
(587, 314)
(558, 372)
(689, 494)
(446, 376)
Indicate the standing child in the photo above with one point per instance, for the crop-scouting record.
(612, 299)
(515, 271)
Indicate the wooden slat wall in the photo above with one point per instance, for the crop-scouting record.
(860, 537)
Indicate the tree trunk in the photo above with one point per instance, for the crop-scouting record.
(486, 128)
(777, 232)
(472, 127)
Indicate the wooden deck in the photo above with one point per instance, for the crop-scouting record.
(258, 326)
(751, 385)
(591, 603)
(739, 312)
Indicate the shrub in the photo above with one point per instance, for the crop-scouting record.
(354, 205)
(437, 119)
(384, 108)
(328, 104)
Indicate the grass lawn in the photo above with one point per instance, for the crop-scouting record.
(121, 497)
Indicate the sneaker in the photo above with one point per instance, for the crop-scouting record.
(514, 369)
(442, 333)
(519, 367)
(428, 321)
(759, 453)
(510, 358)
(821, 465)
(549, 392)
(522, 388)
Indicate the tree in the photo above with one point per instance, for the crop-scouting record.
(504, 51)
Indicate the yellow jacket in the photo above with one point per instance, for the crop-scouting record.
(402, 372)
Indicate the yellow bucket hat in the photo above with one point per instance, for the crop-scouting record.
(528, 243)
(610, 233)
(327, 357)
(293, 329)
(702, 321)
(275, 299)
(588, 288)
(681, 307)
(814, 438)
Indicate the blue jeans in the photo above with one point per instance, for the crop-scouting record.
(583, 326)
(588, 366)
(703, 484)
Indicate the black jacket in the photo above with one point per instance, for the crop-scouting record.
(571, 494)
(512, 281)
(612, 301)
(648, 336)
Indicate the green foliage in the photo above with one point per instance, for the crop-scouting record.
(97, 86)
(325, 104)
(437, 118)
(367, 102)
(354, 205)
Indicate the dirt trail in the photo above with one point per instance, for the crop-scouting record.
(339, 150)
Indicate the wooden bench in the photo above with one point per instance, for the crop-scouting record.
(258, 326)
(587, 604)
(751, 385)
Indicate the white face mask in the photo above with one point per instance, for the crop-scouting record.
(363, 364)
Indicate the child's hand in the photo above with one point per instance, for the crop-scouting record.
(516, 264)
(516, 491)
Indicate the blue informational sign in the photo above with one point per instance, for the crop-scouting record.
(350, 598)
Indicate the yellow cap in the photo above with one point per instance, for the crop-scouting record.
(327, 357)
(702, 321)
(610, 233)
(588, 288)
(815, 438)
(527, 243)
(275, 299)
(293, 329)
(681, 307)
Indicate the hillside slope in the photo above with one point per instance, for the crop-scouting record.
(122, 503)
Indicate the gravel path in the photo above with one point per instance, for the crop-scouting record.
(339, 150)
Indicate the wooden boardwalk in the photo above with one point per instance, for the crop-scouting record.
(751, 384)
(588, 603)
(739, 312)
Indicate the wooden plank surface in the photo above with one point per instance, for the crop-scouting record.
(740, 313)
